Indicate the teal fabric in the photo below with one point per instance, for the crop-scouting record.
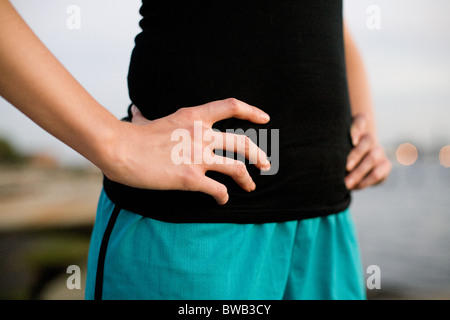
(148, 259)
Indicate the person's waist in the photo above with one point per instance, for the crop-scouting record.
(304, 181)
(290, 203)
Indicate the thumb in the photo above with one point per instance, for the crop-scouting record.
(138, 117)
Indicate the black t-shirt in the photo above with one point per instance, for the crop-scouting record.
(285, 57)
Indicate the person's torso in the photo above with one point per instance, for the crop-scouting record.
(285, 57)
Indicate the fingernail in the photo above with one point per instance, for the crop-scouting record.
(266, 117)
(266, 165)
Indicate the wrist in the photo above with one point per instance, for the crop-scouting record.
(104, 144)
(111, 154)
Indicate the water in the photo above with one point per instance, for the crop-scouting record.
(404, 228)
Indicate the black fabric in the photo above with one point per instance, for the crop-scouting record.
(102, 254)
(285, 57)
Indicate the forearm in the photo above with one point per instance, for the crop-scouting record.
(34, 81)
(358, 85)
(367, 164)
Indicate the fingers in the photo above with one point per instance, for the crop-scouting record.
(212, 112)
(215, 189)
(243, 145)
(376, 176)
(370, 163)
(355, 156)
(138, 117)
(236, 170)
(135, 111)
(204, 117)
(367, 163)
(232, 108)
(358, 128)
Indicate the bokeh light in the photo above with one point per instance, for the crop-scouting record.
(407, 154)
(444, 156)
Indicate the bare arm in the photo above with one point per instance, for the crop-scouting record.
(367, 163)
(359, 89)
(34, 81)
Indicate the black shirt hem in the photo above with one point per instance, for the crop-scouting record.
(177, 213)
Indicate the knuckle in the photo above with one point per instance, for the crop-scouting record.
(247, 144)
(372, 156)
(181, 110)
(186, 113)
(355, 154)
(243, 142)
(240, 170)
(379, 149)
(377, 153)
(232, 104)
(368, 139)
(186, 178)
(356, 157)
(221, 191)
(377, 175)
(185, 181)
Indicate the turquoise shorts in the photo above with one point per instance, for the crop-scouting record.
(134, 257)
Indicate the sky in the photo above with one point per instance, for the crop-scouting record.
(405, 45)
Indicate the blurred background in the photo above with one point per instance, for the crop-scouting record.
(48, 193)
